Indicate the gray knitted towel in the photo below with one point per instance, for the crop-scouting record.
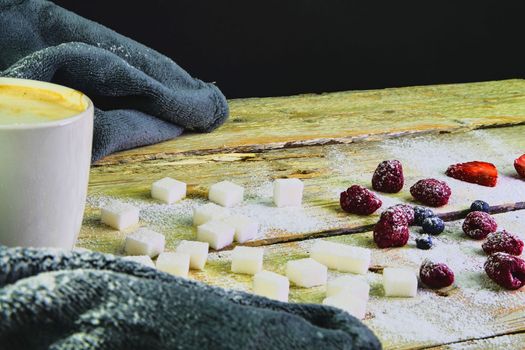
(142, 97)
(52, 299)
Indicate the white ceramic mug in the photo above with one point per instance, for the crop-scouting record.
(44, 171)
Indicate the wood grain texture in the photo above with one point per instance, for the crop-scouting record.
(344, 117)
(506, 342)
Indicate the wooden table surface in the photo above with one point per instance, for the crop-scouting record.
(331, 141)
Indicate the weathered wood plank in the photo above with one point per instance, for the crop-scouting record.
(507, 342)
(344, 117)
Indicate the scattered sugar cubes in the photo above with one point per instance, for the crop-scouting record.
(141, 259)
(144, 242)
(245, 227)
(120, 215)
(306, 272)
(177, 264)
(341, 257)
(271, 285)
(226, 193)
(399, 282)
(198, 252)
(208, 212)
(355, 306)
(168, 190)
(349, 286)
(217, 233)
(248, 260)
(288, 192)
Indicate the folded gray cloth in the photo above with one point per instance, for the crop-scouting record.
(142, 97)
(52, 299)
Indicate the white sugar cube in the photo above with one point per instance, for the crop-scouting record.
(288, 192)
(141, 259)
(217, 233)
(399, 282)
(208, 212)
(306, 272)
(120, 215)
(226, 193)
(198, 252)
(348, 285)
(245, 227)
(271, 285)
(341, 257)
(248, 260)
(168, 190)
(144, 242)
(177, 264)
(355, 306)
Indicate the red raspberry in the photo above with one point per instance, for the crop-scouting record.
(503, 242)
(436, 275)
(406, 209)
(431, 192)
(506, 270)
(358, 200)
(479, 224)
(392, 229)
(388, 177)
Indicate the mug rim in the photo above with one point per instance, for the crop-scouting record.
(52, 123)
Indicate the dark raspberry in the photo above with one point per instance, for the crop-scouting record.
(478, 225)
(431, 192)
(436, 276)
(406, 209)
(358, 200)
(388, 177)
(503, 242)
(433, 225)
(420, 214)
(424, 242)
(506, 270)
(480, 206)
(391, 230)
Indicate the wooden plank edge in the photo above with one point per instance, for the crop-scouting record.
(465, 341)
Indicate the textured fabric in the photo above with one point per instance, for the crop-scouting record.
(51, 299)
(142, 97)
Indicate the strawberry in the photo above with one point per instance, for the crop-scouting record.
(481, 173)
(519, 165)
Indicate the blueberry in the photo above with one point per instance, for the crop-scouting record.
(424, 242)
(480, 206)
(420, 214)
(433, 225)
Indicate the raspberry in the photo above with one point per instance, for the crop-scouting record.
(436, 275)
(424, 242)
(503, 242)
(420, 214)
(480, 206)
(433, 225)
(506, 270)
(431, 192)
(392, 229)
(479, 224)
(358, 200)
(406, 209)
(388, 177)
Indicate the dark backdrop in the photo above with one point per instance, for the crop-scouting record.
(282, 47)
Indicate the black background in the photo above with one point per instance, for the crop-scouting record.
(281, 47)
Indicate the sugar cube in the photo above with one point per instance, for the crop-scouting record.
(348, 285)
(271, 285)
(248, 260)
(355, 306)
(399, 282)
(168, 190)
(306, 272)
(226, 193)
(208, 212)
(341, 257)
(217, 233)
(245, 227)
(141, 259)
(288, 192)
(198, 252)
(177, 264)
(120, 215)
(144, 242)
